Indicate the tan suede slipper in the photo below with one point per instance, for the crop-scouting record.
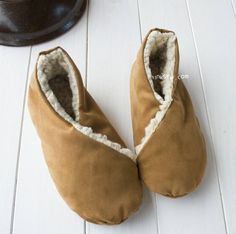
(92, 168)
(169, 143)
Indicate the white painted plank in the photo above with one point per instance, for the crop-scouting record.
(215, 35)
(39, 208)
(13, 67)
(113, 42)
(201, 211)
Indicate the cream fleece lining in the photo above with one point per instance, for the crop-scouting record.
(56, 63)
(155, 40)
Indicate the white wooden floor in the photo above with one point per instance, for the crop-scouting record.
(104, 44)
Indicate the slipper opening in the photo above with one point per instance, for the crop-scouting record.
(159, 63)
(57, 78)
(60, 86)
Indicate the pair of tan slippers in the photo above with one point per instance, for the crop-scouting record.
(94, 171)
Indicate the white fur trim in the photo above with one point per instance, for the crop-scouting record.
(154, 40)
(55, 63)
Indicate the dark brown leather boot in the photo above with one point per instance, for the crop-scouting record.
(26, 22)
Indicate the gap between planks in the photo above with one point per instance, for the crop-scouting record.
(86, 69)
(212, 149)
(19, 145)
(152, 194)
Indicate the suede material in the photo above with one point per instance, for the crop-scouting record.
(143, 102)
(173, 160)
(97, 182)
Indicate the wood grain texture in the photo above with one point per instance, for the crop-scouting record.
(13, 73)
(39, 207)
(201, 211)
